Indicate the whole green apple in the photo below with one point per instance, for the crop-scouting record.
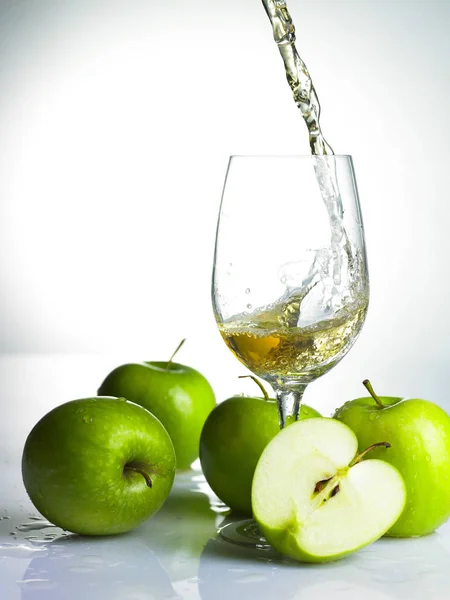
(98, 466)
(233, 438)
(419, 433)
(180, 397)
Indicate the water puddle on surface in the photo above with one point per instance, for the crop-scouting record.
(81, 569)
(48, 537)
(34, 525)
(18, 551)
(92, 559)
(20, 545)
(250, 578)
(36, 584)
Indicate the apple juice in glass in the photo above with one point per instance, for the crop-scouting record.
(290, 294)
(290, 285)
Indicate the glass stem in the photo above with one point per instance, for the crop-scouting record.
(289, 401)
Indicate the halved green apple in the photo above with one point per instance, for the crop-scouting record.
(312, 498)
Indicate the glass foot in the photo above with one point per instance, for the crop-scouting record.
(244, 533)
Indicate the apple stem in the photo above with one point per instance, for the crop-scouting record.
(145, 475)
(368, 386)
(358, 458)
(258, 383)
(173, 355)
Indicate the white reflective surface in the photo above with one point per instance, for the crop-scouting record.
(177, 553)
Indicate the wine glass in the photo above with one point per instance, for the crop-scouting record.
(290, 285)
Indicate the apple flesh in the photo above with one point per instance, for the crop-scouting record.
(233, 438)
(314, 501)
(179, 396)
(419, 432)
(98, 466)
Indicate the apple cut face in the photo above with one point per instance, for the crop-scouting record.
(309, 502)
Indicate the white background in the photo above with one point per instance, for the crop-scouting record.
(116, 122)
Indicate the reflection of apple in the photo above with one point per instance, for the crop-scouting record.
(419, 433)
(75, 568)
(315, 501)
(180, 397)
(233, 438)
(388, 570)
(181, 528)
(231, 571)
(98, 466)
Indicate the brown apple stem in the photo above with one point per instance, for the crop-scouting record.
(368, 386)
(173, 355)
(145, 475)
(258, 383)
(358, 458)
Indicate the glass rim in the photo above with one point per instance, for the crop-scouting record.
(291, 156)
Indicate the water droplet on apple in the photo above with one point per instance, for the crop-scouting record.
(372, 416)
(249, 306)
(428, 457)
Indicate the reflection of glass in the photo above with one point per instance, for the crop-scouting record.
(290, 285)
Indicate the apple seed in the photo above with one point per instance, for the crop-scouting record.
(320, 485)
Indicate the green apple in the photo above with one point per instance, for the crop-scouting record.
(419, 432)
(313, 498)
(98, 466)
(179, 396)
(233, 438)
